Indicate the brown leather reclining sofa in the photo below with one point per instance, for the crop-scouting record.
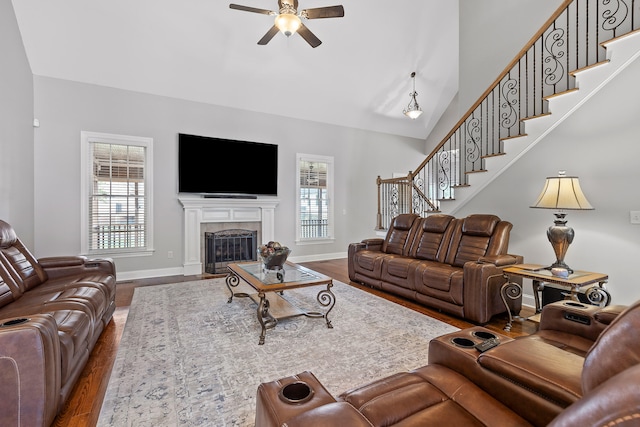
(450, 264)
(52, 312)
(558, 377)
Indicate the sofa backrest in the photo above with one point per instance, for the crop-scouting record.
(616, 349)
(432, 237)
(9, 292)
(610, 377)
(476, 236)
(400, 234)
(18, 261)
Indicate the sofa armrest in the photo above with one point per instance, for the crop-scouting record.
(29, 370)
(483, 281)
(373, 244)
(62, 266)
(501, 260)
(583, 320)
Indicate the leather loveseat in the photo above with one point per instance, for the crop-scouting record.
(450, 264)
(539, 380)
(52, 312)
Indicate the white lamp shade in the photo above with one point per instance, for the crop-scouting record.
(413, 114)
(562, 192)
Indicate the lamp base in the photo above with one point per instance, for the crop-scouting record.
(560, 265)
(560, 235)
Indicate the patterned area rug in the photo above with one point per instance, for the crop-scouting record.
(189, 358)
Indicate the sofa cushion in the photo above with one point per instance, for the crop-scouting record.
(22, 266)
(399, 236)
(428, 396)
(9, 291)
(614, 403)
(479, 225)
(432, 238)
(8, 235)
(441, 281)
(471, 240)
(616, 349)
(538, 366)
(73, 330)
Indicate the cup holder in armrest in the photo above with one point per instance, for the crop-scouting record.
(484, 335)
(13, 322)
(297, 392)
(463, 342)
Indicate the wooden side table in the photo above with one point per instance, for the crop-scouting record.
(593, 283)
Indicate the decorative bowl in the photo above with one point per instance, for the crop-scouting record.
(273, 258)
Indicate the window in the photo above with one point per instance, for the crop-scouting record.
(314, 219)
(116, 190)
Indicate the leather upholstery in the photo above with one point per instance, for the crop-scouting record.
(454, 265)
(57, 308)
(521, 382)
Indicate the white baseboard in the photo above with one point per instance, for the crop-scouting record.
(146, 274)
(318, 257)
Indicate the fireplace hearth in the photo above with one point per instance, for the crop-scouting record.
(228, 246)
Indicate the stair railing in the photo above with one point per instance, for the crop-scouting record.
(571, 40)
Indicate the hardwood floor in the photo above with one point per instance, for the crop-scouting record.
(83, 407)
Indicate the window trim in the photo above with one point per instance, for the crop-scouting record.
(86, 139)
(329, 160)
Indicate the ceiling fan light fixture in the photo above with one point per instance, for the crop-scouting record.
(288, 23)
(413, 110)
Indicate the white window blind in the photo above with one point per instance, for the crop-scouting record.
(117, 218)
(314, 214)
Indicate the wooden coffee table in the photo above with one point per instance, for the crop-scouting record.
(270, 287)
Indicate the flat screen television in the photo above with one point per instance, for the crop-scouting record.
(226, 168)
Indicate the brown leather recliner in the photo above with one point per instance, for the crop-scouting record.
(52, 312)
(436, 394)
(450, 264)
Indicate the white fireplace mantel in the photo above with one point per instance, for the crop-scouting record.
(198, 210)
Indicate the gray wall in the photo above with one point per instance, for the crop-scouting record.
(16, 130)
(600, 144)
(66, 108)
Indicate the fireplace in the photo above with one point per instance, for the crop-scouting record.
(227, 246)
(224, 212)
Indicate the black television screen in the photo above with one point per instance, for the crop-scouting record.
(217, 166)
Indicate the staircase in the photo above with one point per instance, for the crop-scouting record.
(582, 47)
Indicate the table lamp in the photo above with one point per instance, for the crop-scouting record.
(561, 193)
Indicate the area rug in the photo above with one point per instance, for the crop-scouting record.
(189, 358)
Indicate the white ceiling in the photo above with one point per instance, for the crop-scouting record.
(202, 50)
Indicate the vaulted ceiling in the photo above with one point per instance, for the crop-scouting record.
(201, 50)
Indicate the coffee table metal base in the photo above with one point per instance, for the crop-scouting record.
(272, 306)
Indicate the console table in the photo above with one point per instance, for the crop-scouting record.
(592, 283)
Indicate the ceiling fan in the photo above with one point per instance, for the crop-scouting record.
(288, 19)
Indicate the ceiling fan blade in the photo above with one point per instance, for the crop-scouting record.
(267, 37)
(323, 12)
(252, 9)
(310, 38)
